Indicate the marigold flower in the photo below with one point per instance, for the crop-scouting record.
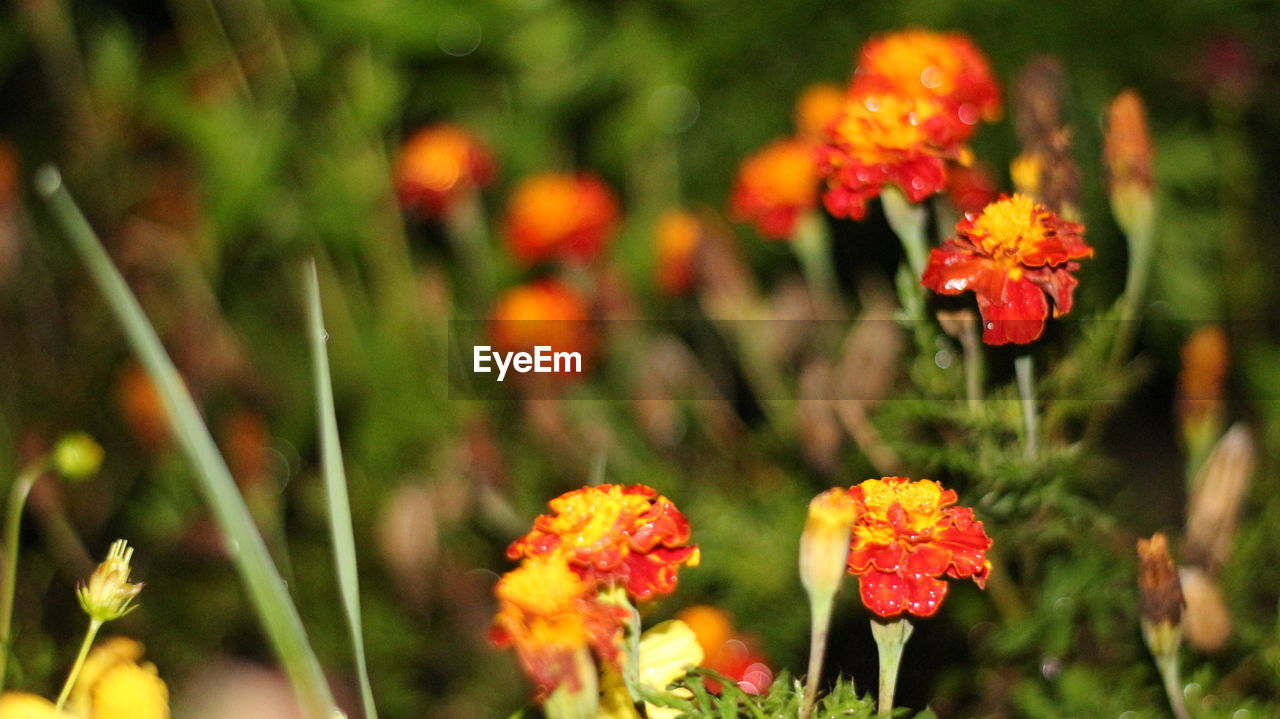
(1128, 150)
(824, 545)
(883, 138)
(543, 313)
(945, 67)
(817, 107)
(109, 594)
(907, 536)
(1159, 595)
(677, 236)
(613, 535)
(560, 216)
(438, 165)
(1015, 256)
(726, 651)
(775, 186)
(549, 614)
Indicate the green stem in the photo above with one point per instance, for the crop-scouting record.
(1024, 368)
(1168, 666)
(617, 595)
(94, 626)
(909, 222)
(266, 588)
(811, 241)
(13, 523)
(819, 630)
(468, 233)
(973, 366)
(891, 636)
(1135, 288)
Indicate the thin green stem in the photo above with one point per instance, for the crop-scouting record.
(1141, 245)
(468, 233)
(819, 630)
(1024, 368)
(973, 365)
(266, 588)
(94, 626)
(338, 500)
(13, 523)
(891, 636)
(1169, 674)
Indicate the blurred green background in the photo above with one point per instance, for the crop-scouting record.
(215, 144)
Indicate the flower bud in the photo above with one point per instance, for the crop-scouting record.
(824, 546)
(1128, 155)
(109, 594)
(1160, 600)
(77, 456)
(1202, 388)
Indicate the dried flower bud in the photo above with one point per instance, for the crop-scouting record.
(1037, 101)
(1159, 593)
(77, 456)
(108, 594)
(1217, 495)
(1206, 621)
(824, 545)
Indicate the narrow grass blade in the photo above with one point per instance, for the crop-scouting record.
(335, 484)
(266, 589)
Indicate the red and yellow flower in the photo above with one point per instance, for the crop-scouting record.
(549, 614)
(614, 536)
(943, 67)
(546, 312)
(907, 536)
(727, 651)
(677, 235)
(775, 186)
(560, 216)
(1016, 256)
(885, 138)
(438, 165)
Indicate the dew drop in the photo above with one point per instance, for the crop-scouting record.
(931, 77)
(968, 114)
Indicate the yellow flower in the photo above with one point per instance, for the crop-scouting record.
(20, 705)
(667, 651)
(130, 691)
(113, 684)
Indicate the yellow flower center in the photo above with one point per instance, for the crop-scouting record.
(551, 205)
(922, 501)
(583, 519)
(543, 587)
(1009, 228)
(879, 128)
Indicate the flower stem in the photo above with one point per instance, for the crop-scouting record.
(908, 222)
(1024, 368)
(617, 595)
(818, 632)
(811, 242)
(891, 636)
(13, 522)
(1141, 244)
(973, 368)
(1168, 666)
(94, 626)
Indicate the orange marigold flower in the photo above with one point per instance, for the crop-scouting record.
(437, 165)
(543, 313)
(775, 186)
(560, 216)
(817, 107)
(906, 537)
(677, 235)
(613, 535)
(945, 67)
(1015, 255)
(726, 651)
(885, 138)
(548, 614)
